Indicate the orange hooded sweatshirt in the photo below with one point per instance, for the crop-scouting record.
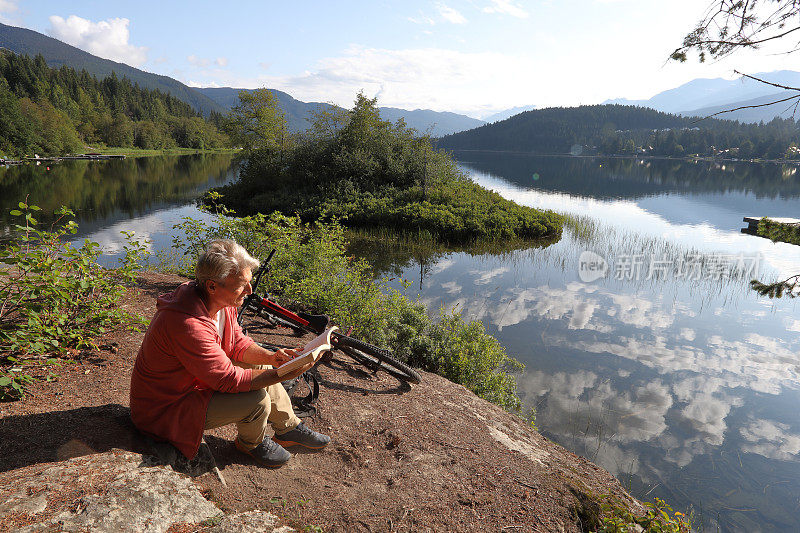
(181, 363)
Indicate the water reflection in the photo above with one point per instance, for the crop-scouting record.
(628, 178)
(146, 195)
(684, 389)
(104, 192)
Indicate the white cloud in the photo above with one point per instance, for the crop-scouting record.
(201, 62)
(450, 14)
(160, 60)
(441, 266)
(195, 83)
(506, 7)
(596, 417)
(770, 439)
(8, 7)
(452, 287)
(422, 19)
(429, 78)
(107, 38)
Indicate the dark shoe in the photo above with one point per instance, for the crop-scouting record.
(268, 453)
(302, 436)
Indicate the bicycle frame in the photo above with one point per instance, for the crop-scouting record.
(263, 302)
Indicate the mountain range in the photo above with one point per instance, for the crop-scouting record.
(298, 113)
(703, 97)
(699, 97)
(508, 113)
(206, 100)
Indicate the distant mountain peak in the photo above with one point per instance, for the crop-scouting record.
(704, 93)
(507, 113)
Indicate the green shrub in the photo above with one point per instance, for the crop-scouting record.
(464, 353)
(54, 297)
(778, 231)
(659, 518)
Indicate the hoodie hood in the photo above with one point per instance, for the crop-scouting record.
(185, 299)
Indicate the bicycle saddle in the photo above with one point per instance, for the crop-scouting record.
(317, 322)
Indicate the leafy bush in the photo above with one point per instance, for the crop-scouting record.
(464, 353)
(310, 269)
(659, 518)
(778, 231)
(54, 297)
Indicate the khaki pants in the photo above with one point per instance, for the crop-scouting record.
(252, 411)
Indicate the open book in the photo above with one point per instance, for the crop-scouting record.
(310, 352)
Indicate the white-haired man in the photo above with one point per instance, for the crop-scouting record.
(197, 370)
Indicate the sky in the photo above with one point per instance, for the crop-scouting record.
(473, 57)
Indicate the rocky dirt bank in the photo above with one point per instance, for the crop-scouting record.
(432, 457)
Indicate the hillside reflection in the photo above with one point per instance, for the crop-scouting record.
(112, 190)
(631, 178)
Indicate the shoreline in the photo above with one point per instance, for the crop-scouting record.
(100, 154)
(688, 159)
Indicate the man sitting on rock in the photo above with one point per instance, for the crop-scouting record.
(197, 370)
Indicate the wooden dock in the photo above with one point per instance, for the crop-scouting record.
(752, 223)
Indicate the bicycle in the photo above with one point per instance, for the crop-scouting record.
(368, 355)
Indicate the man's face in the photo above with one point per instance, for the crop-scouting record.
(232, 290)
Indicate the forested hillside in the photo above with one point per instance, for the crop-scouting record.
(617, 129)
(58, 111)
(23, 41)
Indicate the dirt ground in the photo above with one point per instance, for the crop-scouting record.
(428, 457)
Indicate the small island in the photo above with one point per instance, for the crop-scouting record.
(369, 173)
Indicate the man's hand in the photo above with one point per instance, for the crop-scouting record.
(297, 372)
(282, 356)
(257, 355)
(265, 378)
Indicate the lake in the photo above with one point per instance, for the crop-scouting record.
(146, 195)
(668, 370)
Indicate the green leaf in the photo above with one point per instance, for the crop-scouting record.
(23, 205)
(15, 212)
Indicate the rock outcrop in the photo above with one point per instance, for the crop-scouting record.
(115, 491)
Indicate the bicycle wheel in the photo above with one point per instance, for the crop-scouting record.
(374, 357)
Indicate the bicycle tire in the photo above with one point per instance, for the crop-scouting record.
(378, 357)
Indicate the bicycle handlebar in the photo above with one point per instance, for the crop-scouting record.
(261, 270)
